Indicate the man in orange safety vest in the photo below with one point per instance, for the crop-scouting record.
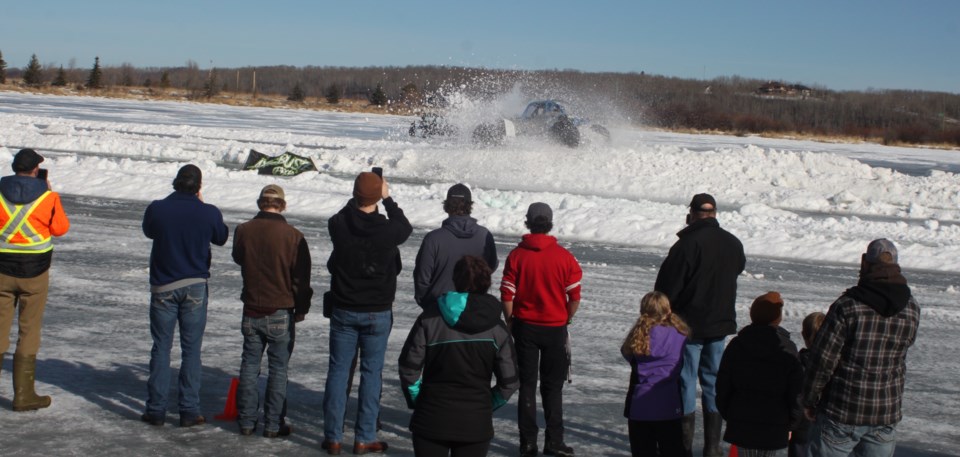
(30, 215)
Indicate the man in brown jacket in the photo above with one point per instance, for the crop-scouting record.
(275, 264)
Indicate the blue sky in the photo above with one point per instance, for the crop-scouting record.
(841, 45)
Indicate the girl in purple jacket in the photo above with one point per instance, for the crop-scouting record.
(654, 349)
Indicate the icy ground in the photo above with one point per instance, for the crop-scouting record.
(804, 210)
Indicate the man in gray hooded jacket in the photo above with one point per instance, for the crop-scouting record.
(458, 235)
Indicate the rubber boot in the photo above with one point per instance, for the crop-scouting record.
(24, 397)
(688, 424)
(712, 424)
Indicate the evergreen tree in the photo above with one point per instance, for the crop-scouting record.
(297, 94)
(61, 79)
(210, 87)
(95, 80)
(165, 79)
(33, 75)
(379, 97)
(333, 94)
(3, 70)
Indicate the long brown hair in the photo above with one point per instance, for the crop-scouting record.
(654, 310)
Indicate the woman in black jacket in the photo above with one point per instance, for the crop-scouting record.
(447, 362)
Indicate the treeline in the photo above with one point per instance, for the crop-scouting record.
(729, 104)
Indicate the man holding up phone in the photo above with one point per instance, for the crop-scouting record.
(30, 215)
(363, 267)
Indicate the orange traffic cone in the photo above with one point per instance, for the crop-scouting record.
(733, 450)
(230, 408)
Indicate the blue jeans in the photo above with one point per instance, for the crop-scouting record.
(701, 359)
(829, 438)
(275, 334)
(348, 331)
(188, 307)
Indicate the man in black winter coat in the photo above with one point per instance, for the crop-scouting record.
(363, 269)
(700, 277)
(459, 235)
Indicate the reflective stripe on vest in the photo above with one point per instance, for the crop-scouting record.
(31, 241)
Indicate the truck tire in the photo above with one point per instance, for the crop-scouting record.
(565, 132)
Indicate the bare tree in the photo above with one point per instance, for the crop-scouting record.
(733, 103)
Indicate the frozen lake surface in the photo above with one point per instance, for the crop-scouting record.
(804, 211)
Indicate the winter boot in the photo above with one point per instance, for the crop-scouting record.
(24, 397)
(688, 425)
(712, 423)
(557, 449)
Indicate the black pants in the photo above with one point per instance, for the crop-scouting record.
(656, 438)
(541, 351)
(423, 447)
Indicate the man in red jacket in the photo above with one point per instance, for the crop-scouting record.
(540, 291)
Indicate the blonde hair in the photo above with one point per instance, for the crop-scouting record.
(811, 325)
(654, 311)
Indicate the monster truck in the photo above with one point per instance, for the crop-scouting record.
(432, 124)
(545, 118)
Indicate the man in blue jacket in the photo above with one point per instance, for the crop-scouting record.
(458, 235)
(182, 227)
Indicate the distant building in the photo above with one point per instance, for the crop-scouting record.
(776, 88)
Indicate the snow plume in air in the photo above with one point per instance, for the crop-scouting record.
(485, 97)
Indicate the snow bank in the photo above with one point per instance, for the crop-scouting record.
(788, 199)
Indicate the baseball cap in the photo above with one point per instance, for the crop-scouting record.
(459, 191)
(539, 210)
(272, 191)
(703, 202)
(877, 248)
(26, 160)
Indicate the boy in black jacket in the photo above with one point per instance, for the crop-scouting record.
(759, 381)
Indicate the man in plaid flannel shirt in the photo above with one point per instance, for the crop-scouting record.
(854, 389)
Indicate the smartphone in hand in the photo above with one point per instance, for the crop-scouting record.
(42, 174)
(378, 171)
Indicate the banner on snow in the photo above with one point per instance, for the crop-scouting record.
(286, 164)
